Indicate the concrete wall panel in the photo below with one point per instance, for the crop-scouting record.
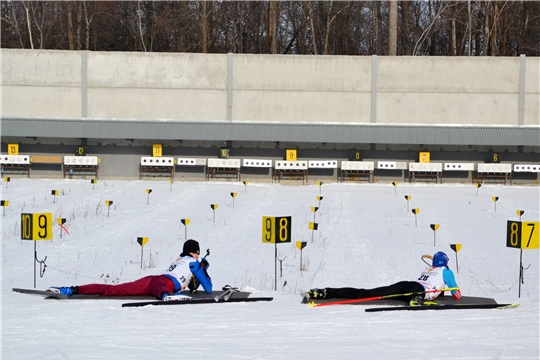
(532, 92)
(181, 86)
(300, 73)
(532, 110)
(448, 74)
(309, 106)
(41, 67)
(157, 70)
(157, 104)
(41, 101)
(446, 108)
(532, 75)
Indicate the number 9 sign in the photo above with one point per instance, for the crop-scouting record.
(36, 226)
(276, 229)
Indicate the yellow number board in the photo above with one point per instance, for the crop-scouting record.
(36, 226)
(157, 150)
(276, 229)
(13, 149)
(522, 235)
(290, 155)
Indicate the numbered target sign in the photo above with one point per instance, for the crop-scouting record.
(522, 235)
(276, 230)
(36, 226)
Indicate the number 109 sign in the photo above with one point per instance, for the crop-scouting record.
(276, 230)
(36, 226)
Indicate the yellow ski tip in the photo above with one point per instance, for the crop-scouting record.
(312, 304)
(510, 306)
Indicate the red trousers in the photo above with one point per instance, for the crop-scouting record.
(154, 285)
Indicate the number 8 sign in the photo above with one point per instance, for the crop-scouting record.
(36, 226)
(522, 235)
(276, 229)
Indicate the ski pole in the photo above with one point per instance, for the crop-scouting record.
(352, 301)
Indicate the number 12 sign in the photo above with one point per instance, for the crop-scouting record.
(522, 235)
(276, 230)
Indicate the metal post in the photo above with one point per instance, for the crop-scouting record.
(35, 260)
(521, 100)
(373, 116)
(84, 90)
(229, 85)
(520, 271)
(275, 266)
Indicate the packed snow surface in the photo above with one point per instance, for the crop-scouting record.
(367, 236)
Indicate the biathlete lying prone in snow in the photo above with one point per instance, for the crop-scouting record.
(186, 272)
(436, 277)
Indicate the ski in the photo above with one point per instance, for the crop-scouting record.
(444, 307)
(50, 295)
(47, 294)
(304, 294)
(196, 301)
(312, 303)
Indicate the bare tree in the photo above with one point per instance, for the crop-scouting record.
(273, 16)
(392, 28)
(408, 27)
(378, 27)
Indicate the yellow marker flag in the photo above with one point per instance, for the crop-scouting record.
(142, 240)
(455, 247)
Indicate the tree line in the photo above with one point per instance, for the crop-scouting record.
(392, 27)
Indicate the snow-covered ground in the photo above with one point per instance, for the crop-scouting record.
(367, 237)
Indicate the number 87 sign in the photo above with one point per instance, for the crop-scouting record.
(522, 235)
(276, 230)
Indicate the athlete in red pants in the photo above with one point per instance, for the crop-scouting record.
(175, 280)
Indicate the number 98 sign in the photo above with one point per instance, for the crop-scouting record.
(36, 226)
(276, 229)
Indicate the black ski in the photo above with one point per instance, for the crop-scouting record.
(444, 307)
(196, 301)
(51, 295)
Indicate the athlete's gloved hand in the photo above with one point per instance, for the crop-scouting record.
(205, 264)
(456, 294)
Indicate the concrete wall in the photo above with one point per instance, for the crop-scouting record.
(346, 89)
